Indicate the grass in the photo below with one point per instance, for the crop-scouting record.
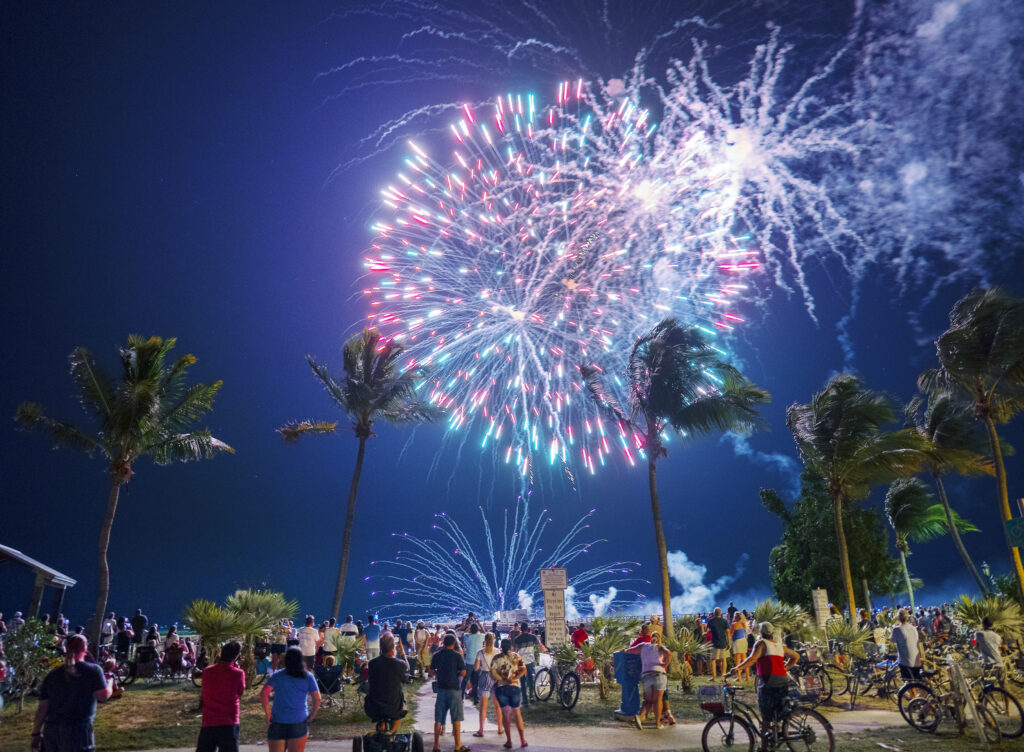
(161, 716)
(908, 740)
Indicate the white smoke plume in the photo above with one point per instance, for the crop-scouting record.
(525, 600)
(698, 595)
(600, 603)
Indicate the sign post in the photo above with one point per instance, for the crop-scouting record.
(554, 582)
(819, 596)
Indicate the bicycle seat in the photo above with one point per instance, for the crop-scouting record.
(929, 672)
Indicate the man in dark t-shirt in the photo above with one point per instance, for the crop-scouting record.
(139, 623)
(719, 629)
(384, 698)
(447, 667)
(525, 645)
(67, 702)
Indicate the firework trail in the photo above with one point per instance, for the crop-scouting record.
(437, 578)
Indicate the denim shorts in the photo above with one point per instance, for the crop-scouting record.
(448, 701)
(279, 731)
(508, 696)
(654, 681)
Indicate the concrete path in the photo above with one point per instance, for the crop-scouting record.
(682, 736)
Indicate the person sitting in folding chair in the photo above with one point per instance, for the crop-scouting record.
(328, 678)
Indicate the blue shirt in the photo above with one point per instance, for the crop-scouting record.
(372, 634)
(289, 700)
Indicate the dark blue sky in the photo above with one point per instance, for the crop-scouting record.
(167, 170)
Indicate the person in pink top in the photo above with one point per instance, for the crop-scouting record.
(223, 684)
(654, 658)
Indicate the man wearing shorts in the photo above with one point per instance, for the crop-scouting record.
(908, 646)
(371, 638)
(447, 668)
(720, 652)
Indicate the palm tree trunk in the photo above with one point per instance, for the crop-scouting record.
(955, 535)
(844, 556)
(103, 573)
(906, 579)
(1004, 498)
(346, 538)
(659, 542)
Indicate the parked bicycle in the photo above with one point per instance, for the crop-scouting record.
(561, 677)
(735, 725)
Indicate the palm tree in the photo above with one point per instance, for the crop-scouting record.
(981, 360)
(839, 436)
(913, 517)
(374, 387)
(954, 445)
(676, 379)
(148, 413)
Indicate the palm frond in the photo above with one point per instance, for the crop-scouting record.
(292, 432)
(95, 386)
(184, 447)
(1006, 615)
(604, 400)
(31, 417)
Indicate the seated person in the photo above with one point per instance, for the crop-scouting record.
(328, 676)
(385, 700)
(174, 657)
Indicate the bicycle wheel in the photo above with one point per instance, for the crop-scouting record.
(569, 690)
(923, 714)
(727, 732)
(542, 684)
(890, 689)
(911, 691)
(1005, 709)
(807, 730)
(826, 682)
(989, 725)
(840, 680)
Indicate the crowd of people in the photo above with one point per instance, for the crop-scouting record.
(465, 660)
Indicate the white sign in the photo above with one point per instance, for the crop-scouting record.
(554, 617)
(819, 596)
(515, 615)
(554, 579)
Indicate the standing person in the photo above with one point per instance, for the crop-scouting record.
(654, 658)
(644, 636)
(278, 644)
(720, 644)
(485, 682)
(309, 638)
(223, 684)
(107, 630)
(421, 638)
(349, 628)
(731, 611)
(448, 668)
(908, 646)
(507, 670)
(331, 634)
(3, 678)
(67, 702)
(371, 638)
(474, 640)
(526, 645)
(139, 623)
(579, 637)
(288, 719)
(773, 660)
(988, 643)
(739, 643)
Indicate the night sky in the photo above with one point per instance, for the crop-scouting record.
(172, 170)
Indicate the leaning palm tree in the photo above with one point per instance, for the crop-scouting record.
(955, 445)
(913, 516)
(374, 387)
(839, 436)
(149, 412)
(981, 360)
(676, 379)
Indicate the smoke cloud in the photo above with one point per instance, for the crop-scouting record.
(698, 595)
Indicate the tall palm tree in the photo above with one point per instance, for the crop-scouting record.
(913, 516)
(149, 412)
(374, 387)
(839, 436)
(981, 360)
(955, 445)
(676, 379)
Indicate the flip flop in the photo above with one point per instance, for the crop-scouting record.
(478, 733)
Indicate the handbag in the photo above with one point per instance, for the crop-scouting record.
(433, 687)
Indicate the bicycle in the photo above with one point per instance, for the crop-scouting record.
(807, 669)
(934, 703)
(983, 683)
(735, 725)
(565, 677)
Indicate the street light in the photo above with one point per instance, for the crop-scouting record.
(986, 570)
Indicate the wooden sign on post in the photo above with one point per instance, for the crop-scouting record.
(819, 596)
(554, 582)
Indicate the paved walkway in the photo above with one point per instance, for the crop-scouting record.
(682, 736)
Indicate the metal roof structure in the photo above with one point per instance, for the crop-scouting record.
(48, 575)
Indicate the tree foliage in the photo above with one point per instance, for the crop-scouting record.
(806, 557)
(31, 652)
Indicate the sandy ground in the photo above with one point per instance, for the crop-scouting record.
(682, 736)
